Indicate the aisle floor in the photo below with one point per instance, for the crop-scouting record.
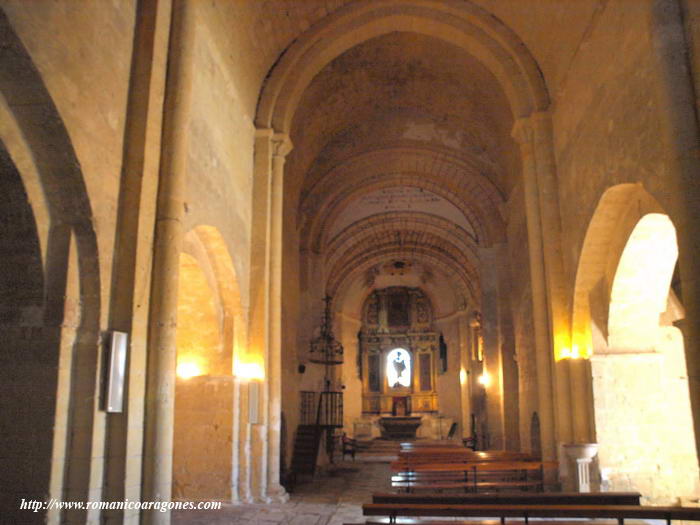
(333, 498)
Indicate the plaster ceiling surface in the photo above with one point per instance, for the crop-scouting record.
(551, 29)
(401, 199)
(402, 87)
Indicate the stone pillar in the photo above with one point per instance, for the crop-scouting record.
(679, 131)
(492, 350)
(271, 149)
(383, 311)
(281, 146)
(162, 350)
(509, 368)
(129, 310)
(465, 370)
(524, 132)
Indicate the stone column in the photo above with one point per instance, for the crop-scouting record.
(509, 368)
(383, 307)
(524, 133)
(465, 370)
(679, 128)
(492, 352)
(281, 146)
(162, 350)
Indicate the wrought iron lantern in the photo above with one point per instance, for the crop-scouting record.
(326, 349)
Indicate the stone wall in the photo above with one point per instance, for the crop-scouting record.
(606, 123)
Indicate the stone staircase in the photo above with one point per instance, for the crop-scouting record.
(306, 443)
(380, 450)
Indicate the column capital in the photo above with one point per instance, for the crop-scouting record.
(524, 128)
(281, 143)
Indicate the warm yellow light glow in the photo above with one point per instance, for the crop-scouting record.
(249, 371)
(575, 352)
(485, 379)
(462, 377)
(642, 280)
(580, 349)
(188, 369)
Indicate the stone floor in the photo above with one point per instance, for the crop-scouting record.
(333, 498)
(330, 499)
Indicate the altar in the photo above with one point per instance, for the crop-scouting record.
(400, 355)
(399, 427)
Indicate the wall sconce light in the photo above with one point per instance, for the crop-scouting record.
(575, 352)
(188, 369)
(249, 371)
(484, 379)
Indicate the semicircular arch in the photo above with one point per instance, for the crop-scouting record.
(371, 228)
(457, 269)
(462, 294)
(461, 23)
(618, 211)
(456, 182)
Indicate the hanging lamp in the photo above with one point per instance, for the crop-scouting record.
(326, 349)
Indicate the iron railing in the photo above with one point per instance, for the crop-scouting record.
(308, 408)
(330, 409)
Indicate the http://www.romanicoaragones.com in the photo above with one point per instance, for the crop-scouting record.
(161, 506)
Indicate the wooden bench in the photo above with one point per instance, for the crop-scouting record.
(407, 459)
(473, 476)
(409, 445)
(527, 511)
(484, 454)
(519, 498)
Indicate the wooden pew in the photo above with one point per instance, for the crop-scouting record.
(518, 498)
(440, 456)
(473, 476)
(411, 445)
(526, 511)
(453, 449)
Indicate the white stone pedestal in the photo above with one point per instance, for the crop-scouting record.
(582, 454)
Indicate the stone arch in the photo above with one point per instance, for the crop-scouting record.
(461, 23)
(211, 330)
(64, 323)
(476, 196)
(464, 293)
(227, 285)
(375, 228)
(624, 310)
(617, 212)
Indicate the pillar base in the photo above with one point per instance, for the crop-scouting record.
(276, 494)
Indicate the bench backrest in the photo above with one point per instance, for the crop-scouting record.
(529, 498)
(533, 511)
(473, 466)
